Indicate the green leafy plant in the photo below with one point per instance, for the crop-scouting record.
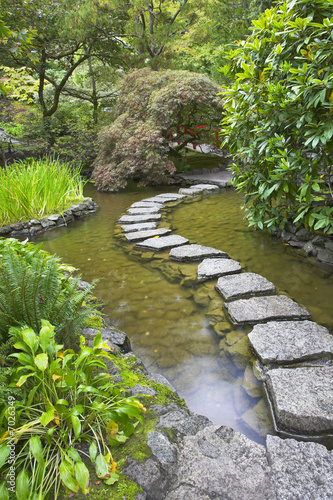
(278, 119)
(73, 414)
(34, 286)
(37, 188)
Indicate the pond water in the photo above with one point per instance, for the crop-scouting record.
(172, 327)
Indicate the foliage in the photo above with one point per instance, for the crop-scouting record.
(19, 84)
(279, 116)
(153, 107)
(71, 400)
(37, 188)
(33, 286)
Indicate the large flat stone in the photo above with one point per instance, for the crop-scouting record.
(146, 204)
(291, 341)
(261, 309)
(244, 285)
(198, 188)
(163, 243)
(134, 219)
(300, 471)
(143, 210)
(169, 197)
(302, 398)
(189, 191)
(212, 268)
(195, 252)
(143, 226)
(143, 235)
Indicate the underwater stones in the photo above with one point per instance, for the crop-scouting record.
(300, 470)
(132, 219)
(261, 309)
(212, 268)
(144, 226)
(195, 252)
(143, 235)
(163, 243)
(291, 341)
(258, 418)
(251, 384)
(143, 210)
(146, 204)
(244, 284)
(302, 398)
(240, 352)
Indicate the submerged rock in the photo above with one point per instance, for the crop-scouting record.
(291, 341)
(258, 418)
(195, 252)
(212, 268)
(244, 284)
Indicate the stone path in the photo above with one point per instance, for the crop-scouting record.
(221, 179)
(301, 397)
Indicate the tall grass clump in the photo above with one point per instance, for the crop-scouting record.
(33, 189)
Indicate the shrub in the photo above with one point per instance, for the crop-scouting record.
(278, 119)
(74, 413)
(37, 188)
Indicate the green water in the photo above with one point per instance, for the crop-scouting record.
(171, 327)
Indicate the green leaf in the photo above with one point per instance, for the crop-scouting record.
(41, 361)
(113, 479)
(29, 337)
(93, 451)
(98, 340)
(4, 454)
(82, 476)
(4, 493)
(101, 466)
(37, 449)
(23, 379)
(45, 334)
(74, 454)
(46, 417)
(76, 426)
(22, 485)
(66, 471)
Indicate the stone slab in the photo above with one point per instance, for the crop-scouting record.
(133, 219)
(146, 204)
(195, 252)
(262, 309)
(143, 210)
(152, 200)
(163, 243)
(212, 268)
(190, 191)
(300, 470)
(169, 196)
(221, 179)
(143, 235)
(206, 187)
(144, 226)
(244, 285)
(291, 341)
(302, 398)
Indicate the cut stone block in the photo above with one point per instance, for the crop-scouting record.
(152, 200)
(206, 187)
(146, 204)
(212, 268)
(143, 235)
(302, 398)
(163, 243)
(144, 226)
(262, 309)
(300, 471)
(195, 252)
(133, 219)
(169, 196)
(189, 191)
(143, 210)
(243, 285)
(291, 341)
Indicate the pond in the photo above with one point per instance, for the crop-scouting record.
(171, 328)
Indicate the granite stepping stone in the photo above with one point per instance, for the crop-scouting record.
(291, 341)
(190, 191)
(144, 226)
(262, 309)
(152, 200)
(146, 204)
(169, 196)
(302, 398)
(143, 235)
(206, 187)
(195, 252)
(133, 219)
(143, 210)
(243, 285)
(212, 268)
(163, 243)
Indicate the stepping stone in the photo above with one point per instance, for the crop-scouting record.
(212, 268)
(144, 226)
(163, 243)
(206, 187)
(190, 191)
(146, 204)
(142, 210)
(132, 219)
(195, 252)
(300, 470)
(291, 341)
(262, 309)
(143, 235)
(242, 285)
(169, 196)
(302, 398)
(152, 200)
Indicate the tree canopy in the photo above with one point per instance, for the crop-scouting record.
(278, 119)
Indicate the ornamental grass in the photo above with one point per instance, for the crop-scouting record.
(33, 189)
